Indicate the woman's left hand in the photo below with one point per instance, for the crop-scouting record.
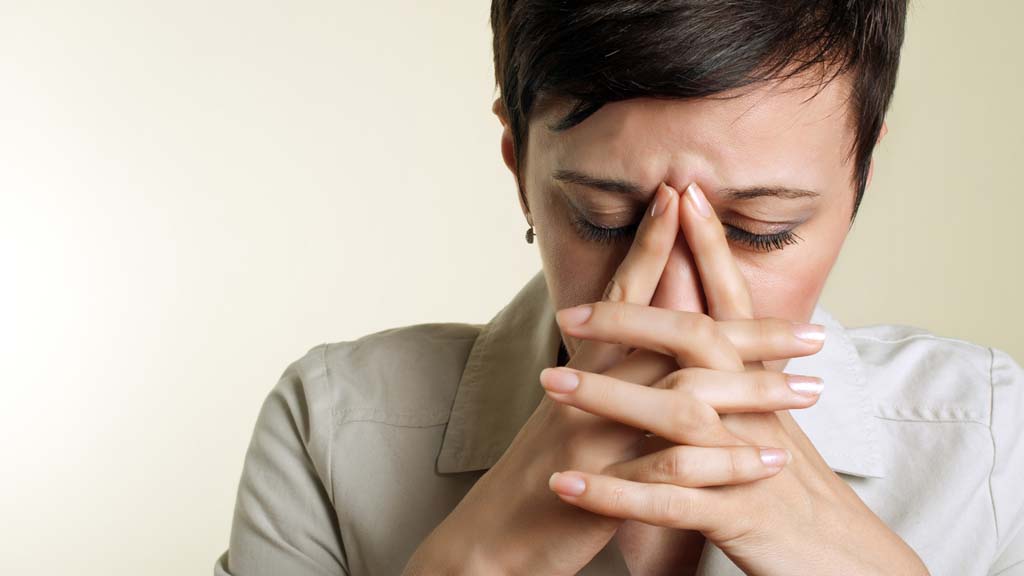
(803, 520)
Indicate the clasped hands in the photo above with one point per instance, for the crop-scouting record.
(726, 458)
(697, 383)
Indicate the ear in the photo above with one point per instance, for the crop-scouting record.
(871, 166)
(507, 149)
(508, 154)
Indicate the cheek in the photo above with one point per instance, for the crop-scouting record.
(790, 287)
(787, 283)
(577, 270)
(789, 296)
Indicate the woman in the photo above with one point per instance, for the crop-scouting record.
(690, 171)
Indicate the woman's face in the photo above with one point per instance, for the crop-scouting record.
(772, 163)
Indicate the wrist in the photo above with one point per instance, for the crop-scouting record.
(449, 555)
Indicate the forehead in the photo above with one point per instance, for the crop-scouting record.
(786, 133)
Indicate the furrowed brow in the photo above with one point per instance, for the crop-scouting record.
(628, 188)
(607, 184)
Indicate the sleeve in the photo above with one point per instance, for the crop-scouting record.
(1007, 476)
(284, 518)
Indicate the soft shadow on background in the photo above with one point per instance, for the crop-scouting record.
(193, 194)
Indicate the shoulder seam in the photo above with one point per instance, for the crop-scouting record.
(330, 437)
(992, 436)
(369, 412)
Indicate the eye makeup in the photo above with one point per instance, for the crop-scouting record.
(592, 232)
(762, 242)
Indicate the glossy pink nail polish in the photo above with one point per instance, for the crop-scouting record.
(569, 484)
(698, 200)
(559, 380)
(809, 332)
(774, 457)
(575, 316)
(805, 385)
(661, 200)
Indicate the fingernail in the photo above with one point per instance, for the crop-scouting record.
(559, 380)
(806, 385)
(774, 457)
(698, 200)
(574, 316)
(568, 483)
(661, 200)
(809, 332)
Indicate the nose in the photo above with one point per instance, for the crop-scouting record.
(680, 287)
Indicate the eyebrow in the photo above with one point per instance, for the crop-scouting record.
(628, 188)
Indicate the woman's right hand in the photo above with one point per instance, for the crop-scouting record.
(510, 522)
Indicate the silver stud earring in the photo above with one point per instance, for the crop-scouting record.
(529, 235)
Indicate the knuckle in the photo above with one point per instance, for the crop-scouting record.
(764, 386)
(694, 330)
(681, 380)
(617, 498)
(777, 332)
(703, 416)
(763, 328)
(693, 419)
(612, 313)
(779, 386)
(595, 391)
(704, 328)
(676, 507)
(740, 523)
(682, 414)
(614, 291)
(684, 322)
(675, 465)
(735, 464)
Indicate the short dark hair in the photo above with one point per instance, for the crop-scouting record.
(594, 52)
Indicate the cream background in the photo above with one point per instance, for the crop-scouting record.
(194, 193)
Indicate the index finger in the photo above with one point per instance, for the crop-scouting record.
(637, 277)
(725, 287)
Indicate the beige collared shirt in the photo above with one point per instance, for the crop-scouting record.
(363, 447)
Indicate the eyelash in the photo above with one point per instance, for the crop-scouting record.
(757, 242)
(600, 234)
(762, 242)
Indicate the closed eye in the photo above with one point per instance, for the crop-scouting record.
(758, 242)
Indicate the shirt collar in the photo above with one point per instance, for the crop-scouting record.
(499, 389)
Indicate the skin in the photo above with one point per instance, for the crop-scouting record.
(769, 137)
(682, 312)
(781, 136)
(510, 522)
(803, 519)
